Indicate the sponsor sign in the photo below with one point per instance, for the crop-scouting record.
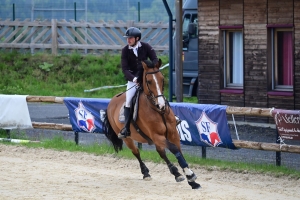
(287, 123)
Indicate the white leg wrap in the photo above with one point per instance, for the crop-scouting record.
(187, 171)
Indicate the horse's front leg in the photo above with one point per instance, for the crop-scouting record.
(190, 175)
(173, 169)
(135, 151)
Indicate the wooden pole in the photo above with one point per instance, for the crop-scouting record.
(266, 146)
(44, 125)
(54, 36)
(237, 143)
(51, 99)
(178, 53)
(262, 112)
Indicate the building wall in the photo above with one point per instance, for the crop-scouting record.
(297, 54)
(208, 18)
(253, 16)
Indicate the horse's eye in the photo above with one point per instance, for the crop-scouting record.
(148, 82)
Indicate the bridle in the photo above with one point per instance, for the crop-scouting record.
(151, 97)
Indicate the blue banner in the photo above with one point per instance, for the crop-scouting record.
(85, 113)
(201, 125)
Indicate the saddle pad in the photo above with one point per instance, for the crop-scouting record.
(135, 111)
(121, 114)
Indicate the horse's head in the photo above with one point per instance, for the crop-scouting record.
(153, 83)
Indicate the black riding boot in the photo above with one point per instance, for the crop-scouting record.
(125, 132)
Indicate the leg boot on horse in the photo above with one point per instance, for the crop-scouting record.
(125, 132)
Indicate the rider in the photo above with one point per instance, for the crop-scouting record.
(132, 54)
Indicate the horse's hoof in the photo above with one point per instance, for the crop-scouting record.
(191, 178)
(179, 178)
(194, 185)
(148, 178)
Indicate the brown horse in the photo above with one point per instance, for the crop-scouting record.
(155, 124)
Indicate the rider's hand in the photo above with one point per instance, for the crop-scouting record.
(134, 80)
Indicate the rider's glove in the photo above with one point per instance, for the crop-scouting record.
(134, 79)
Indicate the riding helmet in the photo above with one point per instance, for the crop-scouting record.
(133, 32)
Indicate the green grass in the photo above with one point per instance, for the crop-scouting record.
(66, 75)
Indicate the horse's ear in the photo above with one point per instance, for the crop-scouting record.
(158, 64)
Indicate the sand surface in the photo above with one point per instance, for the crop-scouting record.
(28, 173)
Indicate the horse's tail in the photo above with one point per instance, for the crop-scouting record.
(111, 135)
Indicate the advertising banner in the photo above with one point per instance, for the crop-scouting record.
(201, 125)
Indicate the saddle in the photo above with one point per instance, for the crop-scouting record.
(133, 108)
(134, 113)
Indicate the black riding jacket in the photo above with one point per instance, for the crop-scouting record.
(131, 65)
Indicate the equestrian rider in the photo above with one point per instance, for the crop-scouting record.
(132, 54)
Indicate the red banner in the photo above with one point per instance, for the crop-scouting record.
(287, 123)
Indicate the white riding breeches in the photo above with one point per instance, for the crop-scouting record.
(131, 89)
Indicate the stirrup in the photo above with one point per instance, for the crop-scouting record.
(123, 134)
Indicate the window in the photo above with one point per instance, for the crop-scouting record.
(233, 59)
(282, 59)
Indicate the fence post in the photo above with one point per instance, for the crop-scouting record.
(14, 17)
(75, 18)
(278, 153)
(8, 133)
(203, 152)
(54, 36)
(76, 138)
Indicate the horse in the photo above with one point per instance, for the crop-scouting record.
(155, 124)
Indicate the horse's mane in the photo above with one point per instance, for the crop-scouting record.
(149, 63)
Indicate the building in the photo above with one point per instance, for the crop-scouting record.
(249, 54)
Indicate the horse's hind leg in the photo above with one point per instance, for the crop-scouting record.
(135, 151)
(173, 169)
(190, 175)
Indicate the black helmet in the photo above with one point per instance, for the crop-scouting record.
(133, 32)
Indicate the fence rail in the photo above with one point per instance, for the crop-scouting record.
(57, 35)
(260, 112)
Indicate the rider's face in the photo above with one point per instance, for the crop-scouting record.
(131, 41)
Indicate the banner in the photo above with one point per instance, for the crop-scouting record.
(201, 125)
(85, 113)
(287, 123)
